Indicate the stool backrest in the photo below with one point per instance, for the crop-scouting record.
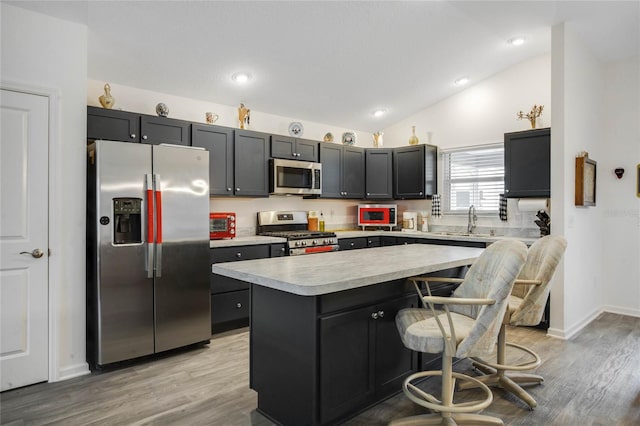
(543, 258)
(491, 277)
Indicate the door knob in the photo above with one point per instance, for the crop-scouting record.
(37, 253)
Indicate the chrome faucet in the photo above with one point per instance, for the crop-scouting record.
(472, 219)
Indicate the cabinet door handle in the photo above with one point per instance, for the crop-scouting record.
(374, 315)
(238, 255)
(420, 192)
(381, 314)
(368, 193)
(237, 189)
(352, 244)
(145, 137)
(282, 249)
(228, 189)
(238, 305)
(132, 135)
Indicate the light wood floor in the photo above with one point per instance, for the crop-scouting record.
(593, 379)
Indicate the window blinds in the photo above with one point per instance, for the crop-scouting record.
(473, 176)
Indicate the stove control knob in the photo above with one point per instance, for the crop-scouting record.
(304, 243)
(297, 243)
(315, 242)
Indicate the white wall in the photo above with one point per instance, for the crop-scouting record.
(43, 52)
(578, 95)
(620, 284)
(482, 113)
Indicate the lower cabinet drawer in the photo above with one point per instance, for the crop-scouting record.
(229, 306)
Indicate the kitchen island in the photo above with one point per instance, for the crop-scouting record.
(324, 345)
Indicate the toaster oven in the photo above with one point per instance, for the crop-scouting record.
(222, 225)
(384, 215)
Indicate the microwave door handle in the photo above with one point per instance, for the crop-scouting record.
(150, 227)
(158, 201)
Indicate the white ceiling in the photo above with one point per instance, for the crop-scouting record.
(331, 62)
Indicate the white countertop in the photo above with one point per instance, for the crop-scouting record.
(245, 241)
(256, 239)
(432, 235)
(323, 273)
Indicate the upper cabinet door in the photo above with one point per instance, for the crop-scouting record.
(408, 166)
(415, 171)
(112, 125)
(527, 163)
(157, 130)
(307, 150)
(353, 172)
(251, 160)
(283, 147)
(379, 174)
(219, 142)
(331, 159)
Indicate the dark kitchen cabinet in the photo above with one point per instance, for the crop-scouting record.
(527, 163)
(293, 148)
(250, 163)
(379, 174)
(358, 243)
(132, 127)
(230, 300)
(341, 351)
(278, 250)
(352, 243)
(364, 357)
(219, 142)
(343, 170)
(112, 125)
(415, 172)
(157, 130)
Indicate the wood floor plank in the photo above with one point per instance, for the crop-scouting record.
(592, 379)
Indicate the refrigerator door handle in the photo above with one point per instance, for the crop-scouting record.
(158, 210)
(149, 260)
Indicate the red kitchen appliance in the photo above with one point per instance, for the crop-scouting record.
(384, 215)
(222, 225)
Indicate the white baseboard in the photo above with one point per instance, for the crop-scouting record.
(568, 333)
(73, 371)
(622, 311)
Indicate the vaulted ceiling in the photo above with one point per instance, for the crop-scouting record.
(331, 62)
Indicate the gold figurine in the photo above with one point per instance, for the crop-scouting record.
(107, 100)
(532, 115)
(244, 116)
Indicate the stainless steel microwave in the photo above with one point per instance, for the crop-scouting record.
(295, 177)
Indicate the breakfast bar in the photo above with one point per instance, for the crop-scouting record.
(324, 344)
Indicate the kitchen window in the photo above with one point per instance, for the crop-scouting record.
(473, 176)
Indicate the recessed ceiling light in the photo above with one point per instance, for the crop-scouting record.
(241, 77)
(461, 81)
(379, 112)
(516, 41)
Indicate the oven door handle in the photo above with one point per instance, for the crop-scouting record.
(319, 249)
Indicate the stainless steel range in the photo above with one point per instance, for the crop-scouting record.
(293, 225)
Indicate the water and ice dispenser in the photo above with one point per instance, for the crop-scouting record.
(127, 220)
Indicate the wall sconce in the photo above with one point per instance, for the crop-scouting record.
(619, 172)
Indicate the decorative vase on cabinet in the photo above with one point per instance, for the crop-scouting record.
(413, 140)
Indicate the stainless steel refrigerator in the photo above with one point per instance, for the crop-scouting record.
(147, 250)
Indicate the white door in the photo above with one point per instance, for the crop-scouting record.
(24, 261)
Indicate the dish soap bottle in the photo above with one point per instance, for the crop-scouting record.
(321, 224)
